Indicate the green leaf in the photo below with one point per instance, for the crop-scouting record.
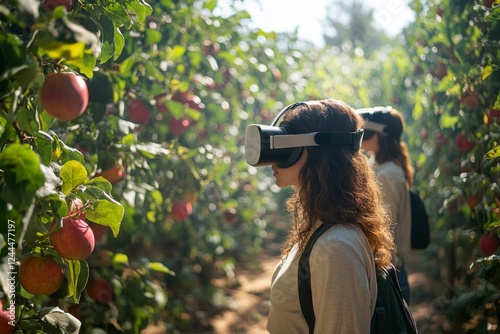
(72, 174)
(152, 37)
(160, 267)
(120, 259)
(494, 153)
(43, 143)
(119, 43)
(22, 172)
(448, 121)
(74, 269)
(107, 212)
(100, 183)
(108, 37)
(57, 204)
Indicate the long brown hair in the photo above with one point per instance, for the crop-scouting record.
(338, 185)
(391, 149)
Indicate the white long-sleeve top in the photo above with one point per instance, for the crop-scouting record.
(397, 197)
(343, 284)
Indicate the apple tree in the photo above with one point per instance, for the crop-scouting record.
(121, 158)
(454, 46)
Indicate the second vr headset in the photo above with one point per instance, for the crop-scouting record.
(279, 144)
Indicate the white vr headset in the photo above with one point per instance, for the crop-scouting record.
(278, 144)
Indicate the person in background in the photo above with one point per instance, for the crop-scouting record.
(333, 184)
(382, 140)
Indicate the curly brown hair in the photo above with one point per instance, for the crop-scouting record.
(338, 185)
(391, 149)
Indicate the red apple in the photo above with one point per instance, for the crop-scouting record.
(113, 174)
(74, 240)
(50, 5)
(493, 115)
(276, 74)
(100, 290)
(178, 126)
(7, 319)
(181, 210)
(471, 100)
(488, 3)
(40, 275)
(138, 112)
(463, 144)
(440, 71)
(64, 95)
(230, 215)
(488, 244)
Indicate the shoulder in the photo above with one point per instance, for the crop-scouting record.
(343, 241)
(390, 168)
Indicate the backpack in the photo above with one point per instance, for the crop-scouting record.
(391, 315)
(420, 231)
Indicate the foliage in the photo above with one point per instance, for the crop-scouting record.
(456, 84)
(171, 84)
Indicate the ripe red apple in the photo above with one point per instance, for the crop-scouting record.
(64, 95)
(463, 144)
(493, 115)
(138, 112)
(113, 174)
(40, 275)
(50, 5)
(100, 290)
(181, 210)
(178, 126)
(488, 3)
(440, 71)
(230, 215)
(471, 100)
(74, 240)
(6, 320)
(488, 244)
(276, 74)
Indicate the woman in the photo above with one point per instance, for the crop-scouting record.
(382, 139)
(333, 184)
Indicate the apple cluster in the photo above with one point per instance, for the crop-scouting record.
(72, 238)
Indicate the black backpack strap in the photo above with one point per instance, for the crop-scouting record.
(304, 278)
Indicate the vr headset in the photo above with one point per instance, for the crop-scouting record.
(279, 144)
(379, 120)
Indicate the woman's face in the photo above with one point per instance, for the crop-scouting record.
(371, 145)
(289, 176)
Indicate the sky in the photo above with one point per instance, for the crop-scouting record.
(308, 16)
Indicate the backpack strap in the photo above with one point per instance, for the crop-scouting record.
(304, 278)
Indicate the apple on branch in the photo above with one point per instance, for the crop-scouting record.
(40, 275)
(181, 210)
(64, 95)
(74, 240)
